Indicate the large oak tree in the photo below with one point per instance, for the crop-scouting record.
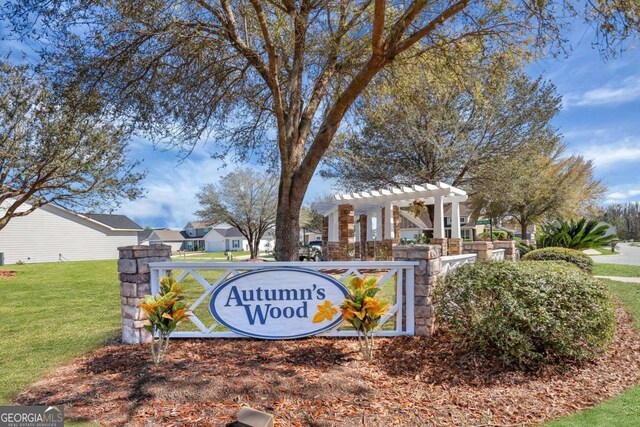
(58, 150)
(179, 69)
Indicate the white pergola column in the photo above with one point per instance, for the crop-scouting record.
(379, 224)
(438, 218)
(333, 227)
(370, 215)
(455, 219)
(388, 221)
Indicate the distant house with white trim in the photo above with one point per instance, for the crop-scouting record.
(200, 236)
(52, 233)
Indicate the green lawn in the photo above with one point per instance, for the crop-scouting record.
(605, 251)
(624, 409)
(52, 313)
(616, 270)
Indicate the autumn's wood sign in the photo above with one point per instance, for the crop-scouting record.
(278, 303)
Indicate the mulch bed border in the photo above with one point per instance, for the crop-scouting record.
(414, 381)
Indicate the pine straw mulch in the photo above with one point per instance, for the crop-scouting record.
(323, 382)
(7, 274)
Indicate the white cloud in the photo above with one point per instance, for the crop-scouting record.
(616, 93)
(171, 191)
(621, 195)
(607, 155)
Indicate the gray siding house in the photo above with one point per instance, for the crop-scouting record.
(51, 234)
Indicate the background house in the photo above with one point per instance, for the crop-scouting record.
(51, 233)
(225, 237)
(164, 236)
(200, 236)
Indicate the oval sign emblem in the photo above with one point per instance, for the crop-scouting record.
(278, 303)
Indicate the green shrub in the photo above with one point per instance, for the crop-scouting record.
(497, 235)
(561, 254)
(525, 314)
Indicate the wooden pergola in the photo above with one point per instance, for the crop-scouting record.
(379, 209)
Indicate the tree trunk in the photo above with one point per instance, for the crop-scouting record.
(523, 229)
(254, 248)
(288, 220)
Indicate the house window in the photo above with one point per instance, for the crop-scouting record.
(466, 234)
(447, 221)
(235, 244)
(463, 220)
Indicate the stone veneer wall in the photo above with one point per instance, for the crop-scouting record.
(135, 283)
(510, 253)
(481, 248)
(426, 274)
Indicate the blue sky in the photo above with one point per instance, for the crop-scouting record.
(600, 120)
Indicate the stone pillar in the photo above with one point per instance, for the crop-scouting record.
(346, 232)
(443, 242)
(425, 276)
(135, 283)
(509, 246)
(480, 248)
(455, 246)
(325, 229)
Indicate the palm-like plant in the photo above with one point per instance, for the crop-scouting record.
(580, 234)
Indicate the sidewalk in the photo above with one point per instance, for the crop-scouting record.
(621, 279)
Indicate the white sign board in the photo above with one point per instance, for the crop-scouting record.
(279, 303)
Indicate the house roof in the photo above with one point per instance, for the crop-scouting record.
(146, 233)
(119, 222)
(229, 232)
(167, 235)
(197, 224)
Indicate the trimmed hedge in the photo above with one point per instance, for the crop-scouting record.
(525, 314)
(583, 261)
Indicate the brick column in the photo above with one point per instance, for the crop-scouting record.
(455, 246)
(480, 248)
(443, 242)
(346, 230)
(325, 230)
(426, 274)
(135, 283)
(509, 246)
(396, 225)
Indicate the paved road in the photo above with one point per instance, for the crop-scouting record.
(629, 255)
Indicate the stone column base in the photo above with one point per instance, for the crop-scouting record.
(480, 248)
(455, 246)
(331, 251)
(425, 277)
(135, 283)
(443, 244)
(509, 246)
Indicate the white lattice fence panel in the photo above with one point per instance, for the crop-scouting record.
(454, 261)
(396, 276)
